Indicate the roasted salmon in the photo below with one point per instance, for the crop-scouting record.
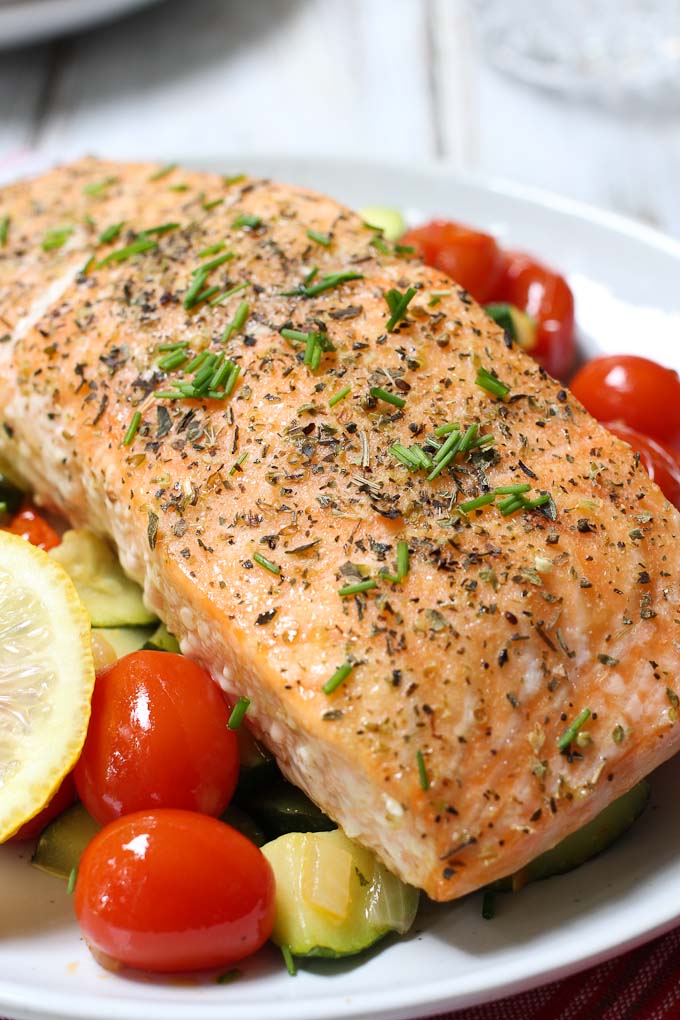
(450, 595)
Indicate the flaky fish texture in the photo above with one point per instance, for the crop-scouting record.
(244, 497)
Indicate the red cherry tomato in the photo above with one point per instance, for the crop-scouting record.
(63, 798)
(157, 737)
(641, 393)
(659, 461)
(547, 297)
(174, 890)
(30, 525)
(470, 257)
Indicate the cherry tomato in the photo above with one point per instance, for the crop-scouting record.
(63, 798)
(634, 390)
(157, 737)
(173, 890)
(30, 525)
(546, 297)
(470, 257)
(659, 461)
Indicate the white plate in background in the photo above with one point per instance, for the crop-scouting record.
(626, 282)
(30, 21)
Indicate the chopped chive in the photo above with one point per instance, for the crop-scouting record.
(475, 504)
(191, 296)
(228, 293)
(178, 187)
(4, 230)
(422, 771)
(294, 334)
(237, 466)
(444, 430)
(221, 374)
(163, 172)
(173, 360)
(389, 398)
(324, 239)
(198, 361)
(238, 713)
(71, 884)
(488, 905)
(491, 384)
(169, 395)
(421, 457)
(405, 457)
(340, 395)
(88, 266)
(404, 249)
(487, 440)
(54, 239)
(378, 243)
(247, 220)
(327, 282)
(206, 294)
(96, 188)
(111, 233)
(571, 732)
(313, 272)
(392, 578)
(339, 677)
(231, 381)
(214, 249)
(397, 304)
(288, 960)
(240, 316)
(310, 348)
(212, 204)
(133, 429)
(511, 505)
(273, 568)
(539, 501)
(162, 228)
(138, 246)
(452, 443)
(174, 347)
(436, 296)
(505, 490)
(207, 267)
(354, 589)
(233, 179)
(402, 559)
(469, 438)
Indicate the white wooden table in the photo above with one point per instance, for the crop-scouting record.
(383, 79)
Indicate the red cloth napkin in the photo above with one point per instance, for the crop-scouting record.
(641, 985)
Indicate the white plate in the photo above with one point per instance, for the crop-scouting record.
(627, 295)
(27, 21)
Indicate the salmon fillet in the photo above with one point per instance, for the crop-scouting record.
(244, 515)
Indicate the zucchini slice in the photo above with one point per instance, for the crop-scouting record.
(62, 843)
(333, 897)
(110, 597)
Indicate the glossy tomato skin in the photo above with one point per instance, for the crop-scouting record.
(30, 525)
(546, 296)
(62, 799)
(470, 257)
(174, 890)
(661, 463)
(157, 737)
(636, 391)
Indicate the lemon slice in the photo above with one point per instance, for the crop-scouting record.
(46, 679)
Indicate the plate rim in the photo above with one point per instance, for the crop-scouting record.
(410, 1002)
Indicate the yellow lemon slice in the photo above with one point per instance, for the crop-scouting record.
(46, 679)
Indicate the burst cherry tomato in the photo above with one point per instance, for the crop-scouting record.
(659, 461)
(173, 890)
(157, 737)
(63, 798)
(470, 257)
(547, 298)
(30, 525)
(634, 390)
